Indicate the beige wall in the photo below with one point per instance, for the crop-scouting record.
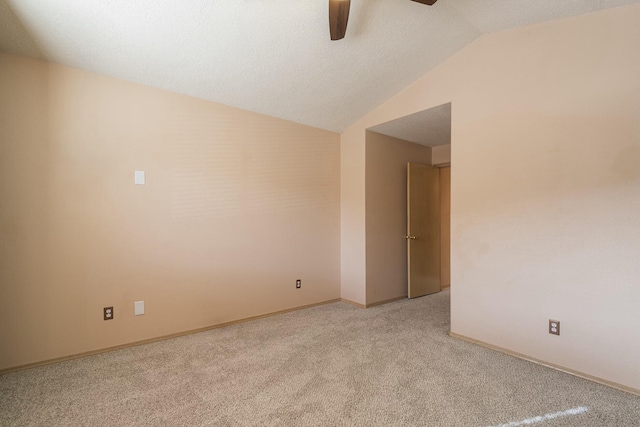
(237, 206)
(352, 211)
(546, 190)
(386, 213)
(441, 154)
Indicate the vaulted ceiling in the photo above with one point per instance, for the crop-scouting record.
(268, 56)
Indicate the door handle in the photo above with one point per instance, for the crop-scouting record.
(410, 237)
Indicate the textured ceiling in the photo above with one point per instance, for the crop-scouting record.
(269, 56)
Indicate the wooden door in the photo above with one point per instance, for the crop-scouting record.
(423, 229)
(445, 227)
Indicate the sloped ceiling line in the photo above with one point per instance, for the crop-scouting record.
(267, 56)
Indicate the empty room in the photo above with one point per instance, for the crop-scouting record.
(320, 212)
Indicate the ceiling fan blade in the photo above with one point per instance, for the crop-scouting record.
(427, 2)
(338, 17)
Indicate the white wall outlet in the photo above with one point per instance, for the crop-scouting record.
(138, 308)
(139, 178)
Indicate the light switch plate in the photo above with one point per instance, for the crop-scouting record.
(138, 308)
(139, 178)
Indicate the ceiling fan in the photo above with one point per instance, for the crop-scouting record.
(339, 15)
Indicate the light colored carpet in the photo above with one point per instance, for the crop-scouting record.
(333, 365)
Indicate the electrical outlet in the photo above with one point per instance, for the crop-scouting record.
(298, 284)
(108, 313)
(554, 327)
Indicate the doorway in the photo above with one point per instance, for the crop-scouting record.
(445, 226)
(428, 229)
(423, 137)
(423, 230)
